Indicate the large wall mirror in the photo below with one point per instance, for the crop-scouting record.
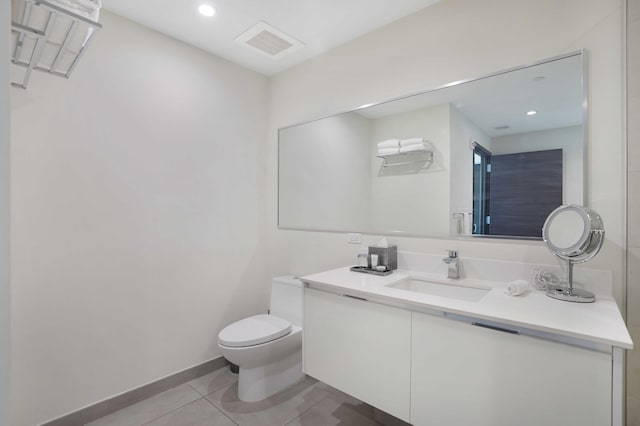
(487, 157)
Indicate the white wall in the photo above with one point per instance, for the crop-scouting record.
(569, 139)
(463, 134)
(5, 284)
(138, 216)
(326, 164)
(416, 203)
(454, 40)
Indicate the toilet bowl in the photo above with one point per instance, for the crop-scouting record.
(268, 348)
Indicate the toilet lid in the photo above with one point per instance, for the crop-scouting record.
(254, 331)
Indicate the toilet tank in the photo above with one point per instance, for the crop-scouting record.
(286, 299)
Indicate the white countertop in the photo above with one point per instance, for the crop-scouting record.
(598, 322)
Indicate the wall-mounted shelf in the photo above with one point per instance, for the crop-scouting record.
(49, 38)
(422, 158)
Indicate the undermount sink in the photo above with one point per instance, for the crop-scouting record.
(469, 294)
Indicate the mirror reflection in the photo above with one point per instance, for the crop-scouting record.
(493, 156)
(566, 230)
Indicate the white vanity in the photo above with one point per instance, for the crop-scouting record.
(430, 354)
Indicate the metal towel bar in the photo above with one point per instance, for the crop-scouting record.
(69, 23)
(424, 157)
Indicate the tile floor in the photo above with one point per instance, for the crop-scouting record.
(213, 400)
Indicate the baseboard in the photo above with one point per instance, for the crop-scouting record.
(108, 406)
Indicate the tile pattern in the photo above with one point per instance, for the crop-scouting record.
(633, 10)
(633, 366)
(198, 413)
(335, 409)
(151, 408)
(633, 411)
(633, 131)
(633, 209)
(633, 58)
(633, 285)
(279, 409)
(633, 213)
(213, 400)
(213, 381)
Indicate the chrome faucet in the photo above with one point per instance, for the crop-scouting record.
(454, 264)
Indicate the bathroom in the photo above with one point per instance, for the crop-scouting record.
(143, 190)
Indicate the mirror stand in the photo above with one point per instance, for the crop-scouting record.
(574, 234)
(568, 293)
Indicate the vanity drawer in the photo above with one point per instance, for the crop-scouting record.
(359, 347)
(467, 375)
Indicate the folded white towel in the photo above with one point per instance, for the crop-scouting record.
(516, 288)
(389, 143)
(388, 151)
(417, 147)
(412, 141)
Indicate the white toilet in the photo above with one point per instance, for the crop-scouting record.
(268, 348)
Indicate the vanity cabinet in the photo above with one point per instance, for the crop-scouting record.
(359, 347)
(463, 374)
(447, 371)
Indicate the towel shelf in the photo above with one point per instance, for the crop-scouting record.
(50, 39)
(422, 156)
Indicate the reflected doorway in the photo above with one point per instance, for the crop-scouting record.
(525, 188)
(481, 189)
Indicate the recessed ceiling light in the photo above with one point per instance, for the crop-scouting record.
(532, 112)
(206, 10)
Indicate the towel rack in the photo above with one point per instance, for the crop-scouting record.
(421, 156)
(31, 40)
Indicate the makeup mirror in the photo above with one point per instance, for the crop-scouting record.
(575, 234)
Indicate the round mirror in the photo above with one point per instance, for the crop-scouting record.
(566, 230)
(573, 233)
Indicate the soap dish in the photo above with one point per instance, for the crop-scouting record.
(366, 270)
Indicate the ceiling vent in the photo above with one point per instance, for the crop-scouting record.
(268, 40)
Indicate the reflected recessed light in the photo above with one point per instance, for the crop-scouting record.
(532, 112)
(206, 10)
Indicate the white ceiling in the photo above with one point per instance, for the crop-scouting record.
(319, 24)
